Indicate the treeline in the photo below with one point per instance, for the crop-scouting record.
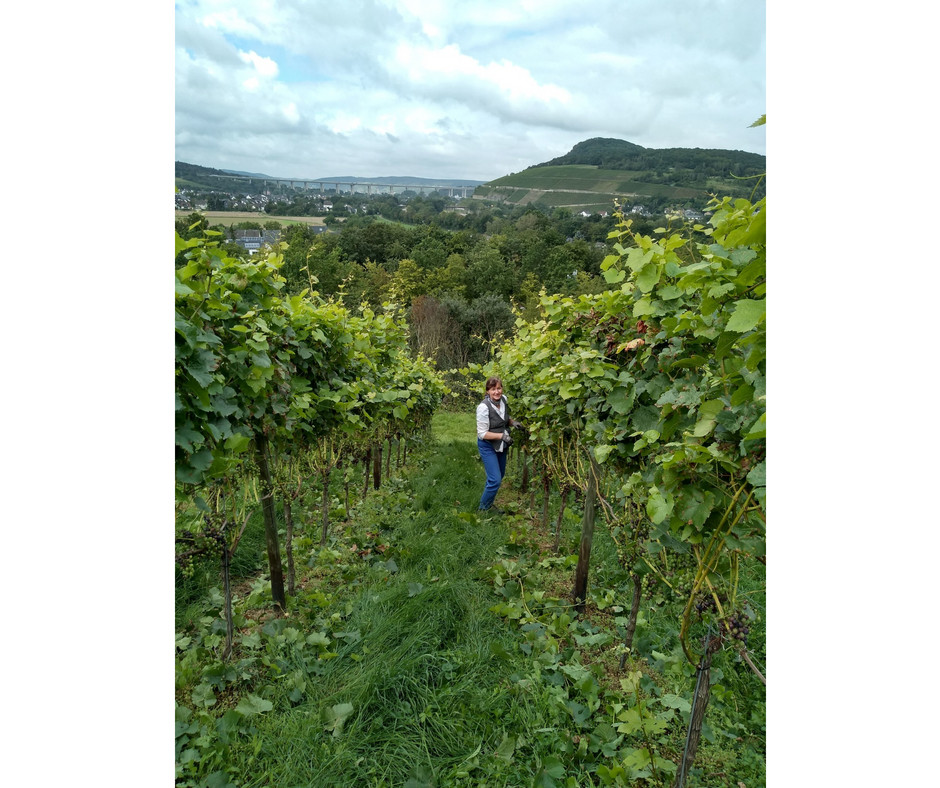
(459, 287)
(621, 155)
(209, 178)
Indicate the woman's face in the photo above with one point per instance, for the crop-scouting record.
(496, 392)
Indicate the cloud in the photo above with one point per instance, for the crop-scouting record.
(263, 65)
(448, 67)
(477, 89)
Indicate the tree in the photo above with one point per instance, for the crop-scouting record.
(490, 319)
(370, 284)
(325, 262)
(408, 281)
(488, 272)
(430, 253)
(192, 226)
(452, 278)
(435, 333)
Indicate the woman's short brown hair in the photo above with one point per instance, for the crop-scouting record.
(492, 383)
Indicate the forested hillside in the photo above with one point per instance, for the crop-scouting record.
(599, 171)
(196, 176)
(616, 154)
(193, 176)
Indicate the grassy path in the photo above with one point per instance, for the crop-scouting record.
(413, 657)
(419, 693)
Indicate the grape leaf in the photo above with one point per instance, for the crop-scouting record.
(747, 314)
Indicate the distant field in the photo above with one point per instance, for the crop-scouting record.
(228, 218)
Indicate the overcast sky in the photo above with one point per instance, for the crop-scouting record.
(441, 89)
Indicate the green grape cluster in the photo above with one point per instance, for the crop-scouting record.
(680, 561)
(209, 539)
(649, 587)
(186, 565)
(682, 581)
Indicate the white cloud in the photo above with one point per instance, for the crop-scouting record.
(477, 89)
(447, 68)
(291, 113)
(263, 65)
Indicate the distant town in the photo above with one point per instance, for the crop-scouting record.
(332, 201)
(324, 199)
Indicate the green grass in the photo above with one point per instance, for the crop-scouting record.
(429, 677)
(425, 687)
(192, 591)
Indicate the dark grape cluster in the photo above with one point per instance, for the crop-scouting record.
(704, 603)
(738, 626)
(214, 530)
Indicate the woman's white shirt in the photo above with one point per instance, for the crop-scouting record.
(483, 417)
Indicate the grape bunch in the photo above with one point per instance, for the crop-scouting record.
(683, 581)
(186, 565)
(704, 603)
(209, 539)
(649, 586)
(737, 626)
(213, 531)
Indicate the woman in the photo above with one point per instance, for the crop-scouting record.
(493, 438)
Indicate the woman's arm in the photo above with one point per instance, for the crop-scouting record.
(483, 422)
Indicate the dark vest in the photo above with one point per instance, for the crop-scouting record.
(497, 423)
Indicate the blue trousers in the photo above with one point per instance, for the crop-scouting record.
(495, 464)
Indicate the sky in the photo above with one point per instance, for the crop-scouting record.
(475, 90)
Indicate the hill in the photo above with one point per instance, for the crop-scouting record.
(616, 154)
(599, 170)
(194, 176)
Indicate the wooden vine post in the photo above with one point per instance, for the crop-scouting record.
(634, 613)
(587, 537)
(366, 463)
(377, 466)
(270, 522)
(546, 493)
(524, 484)
(697, 715)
